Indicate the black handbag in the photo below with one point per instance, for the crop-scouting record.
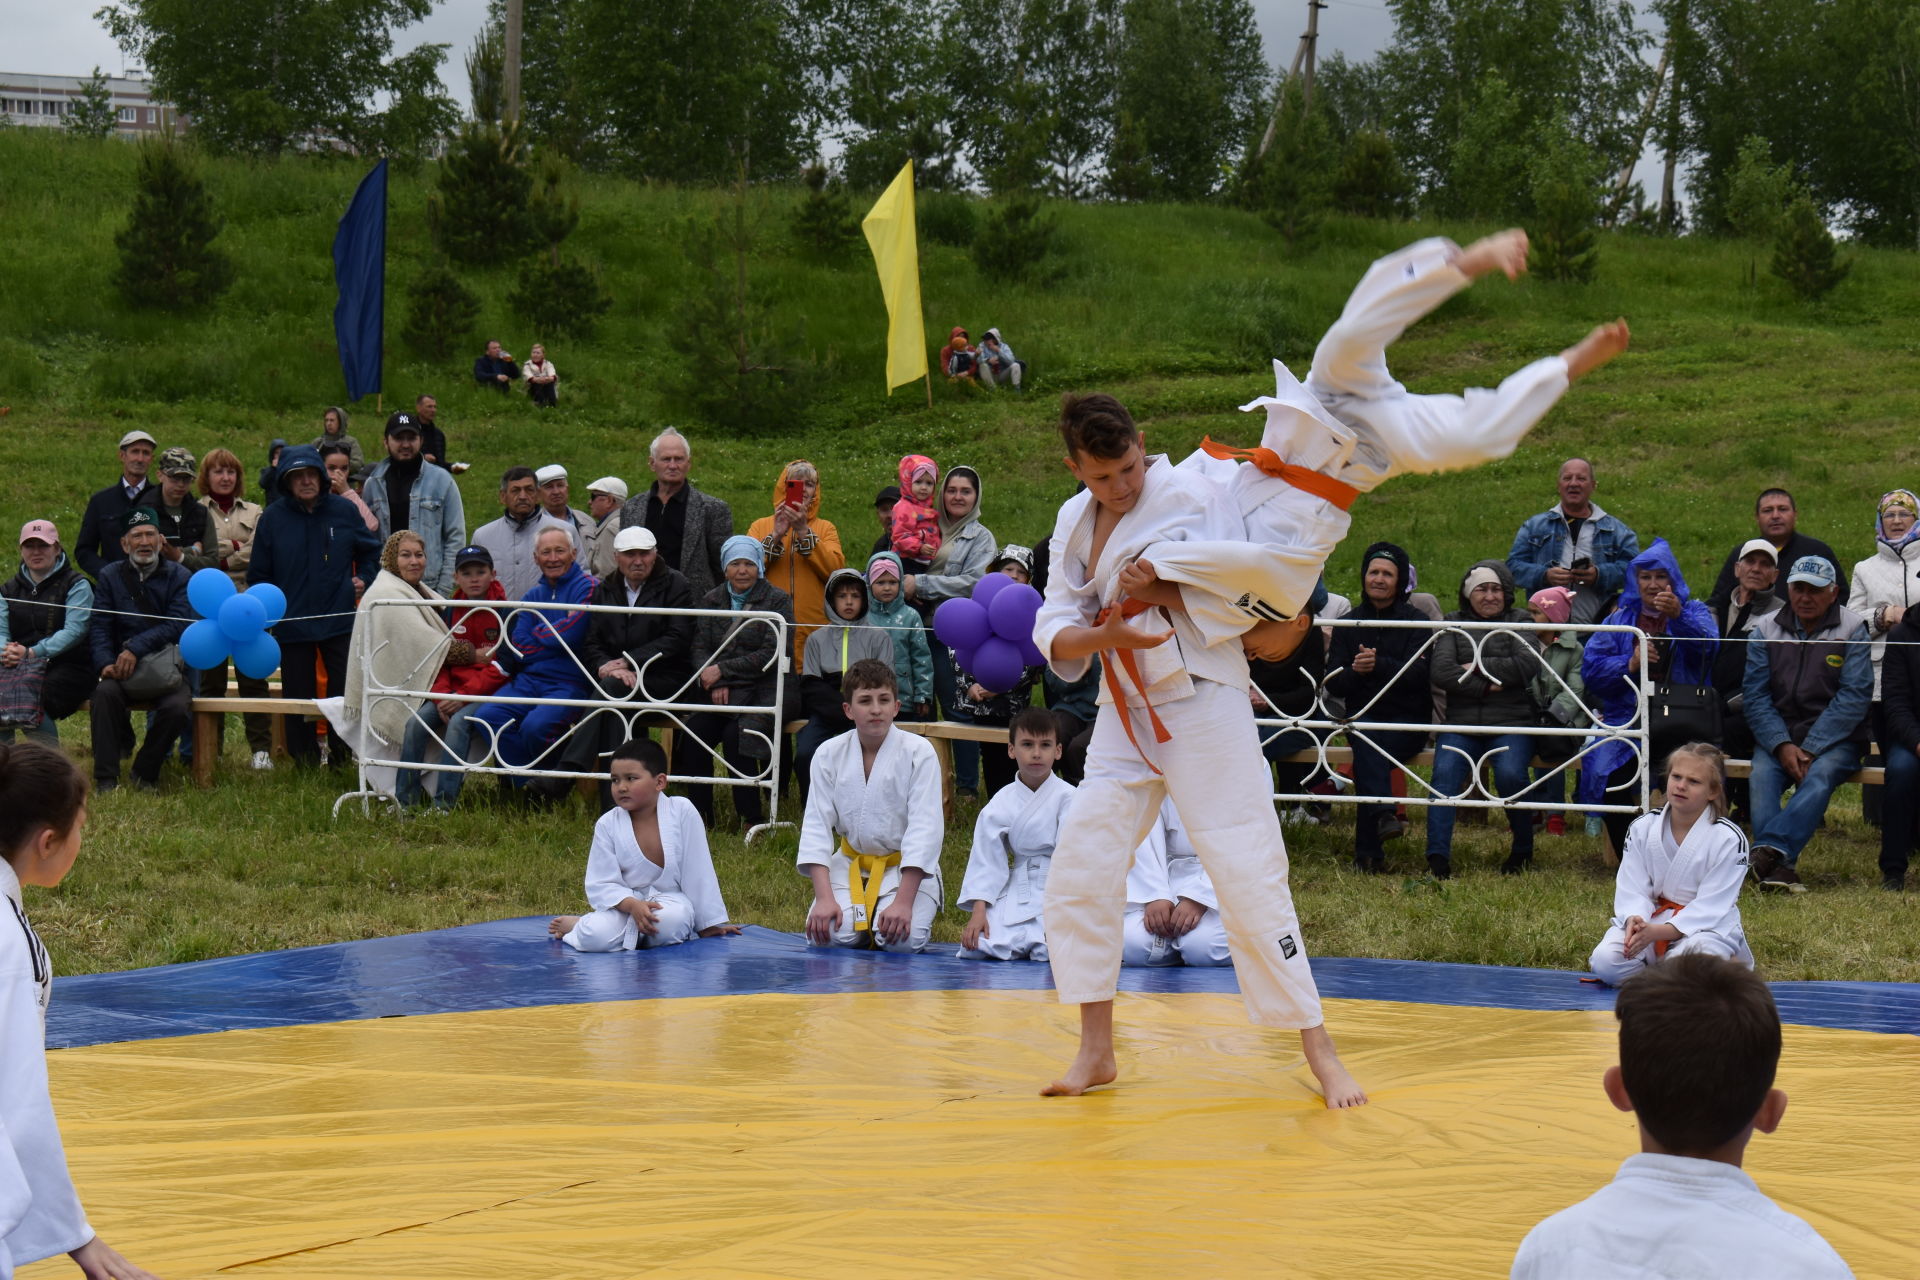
(1683, 713)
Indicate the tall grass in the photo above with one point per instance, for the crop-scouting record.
(1176, 308)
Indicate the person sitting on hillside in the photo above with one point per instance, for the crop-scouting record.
(333, 430)
(997, 363)
(496, 368)
(543, 380)
(957, 359)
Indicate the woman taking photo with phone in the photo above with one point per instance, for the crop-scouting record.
(802, 549)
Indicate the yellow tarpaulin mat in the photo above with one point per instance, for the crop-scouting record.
(899, 1135)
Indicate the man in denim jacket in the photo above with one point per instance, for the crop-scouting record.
(1576, 545)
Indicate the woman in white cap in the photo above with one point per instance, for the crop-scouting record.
(1487, 677)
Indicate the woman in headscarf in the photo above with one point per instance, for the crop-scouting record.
(1676, 646)
(1381, 674)
(966, 549)
(737, 668)
(801, 550)
(403, 648)
(1883, 587)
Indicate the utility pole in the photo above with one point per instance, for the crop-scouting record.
(1303, 53)
(515, 15)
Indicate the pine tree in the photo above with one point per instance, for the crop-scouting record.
(1803, 252)
(1371, 182)
(559, 295)
(1758, 193)
(1130, 173)
(481, 212)
(440, 312)
(1290, 185)
(167, 258)
(1565, 186)
(823, 220)
(91, 114)
(1016, 240)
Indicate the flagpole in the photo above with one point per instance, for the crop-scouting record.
(929, 377)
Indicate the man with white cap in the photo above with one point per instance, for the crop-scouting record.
(605, 497)
(403, 492)
(1809, 683)
(105, 520)
(48, 605)
(510, 539)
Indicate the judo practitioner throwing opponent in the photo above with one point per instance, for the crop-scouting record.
(1227, 557)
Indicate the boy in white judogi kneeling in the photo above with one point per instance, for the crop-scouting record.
(1347, 430)
(650, 878)
(1013, 840)
(1678, 891)
(1699, 1046)
(1173, 916)
(870, 840)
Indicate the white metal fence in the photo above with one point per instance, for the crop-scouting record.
(635, 711)
(1326, 719)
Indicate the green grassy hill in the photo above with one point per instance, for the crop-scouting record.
(1175, 308)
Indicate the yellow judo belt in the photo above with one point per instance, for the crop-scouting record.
(863, 881)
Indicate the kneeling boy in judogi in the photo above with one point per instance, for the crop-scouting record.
(1013, 841)
(1173, 916)
(1678, 891)
(650, 878)
(870, 840)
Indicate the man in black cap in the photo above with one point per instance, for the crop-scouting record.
(404, 493)
(100, 529)
(883, 504)
(140, 612)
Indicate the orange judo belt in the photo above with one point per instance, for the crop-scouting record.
(1131, 665)
(1659, 905)
(1337, 492)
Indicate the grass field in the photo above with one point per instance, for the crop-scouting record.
(1176, 308)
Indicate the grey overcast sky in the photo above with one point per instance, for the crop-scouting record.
(61, 37)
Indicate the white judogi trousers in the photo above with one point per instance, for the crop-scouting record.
(1203, 946)
(612, 930)
(1611, 964)
(1219, 782)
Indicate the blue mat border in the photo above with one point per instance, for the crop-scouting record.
(511, 964)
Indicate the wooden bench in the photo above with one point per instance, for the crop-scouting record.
(209, 712)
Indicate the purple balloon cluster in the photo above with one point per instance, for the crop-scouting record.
(991, 635)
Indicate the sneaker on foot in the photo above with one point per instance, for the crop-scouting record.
(1440, 866)
(1392, 827)
(262, 761)
(1783, 877)
(1556, 825)
(1892, 883)
(1594, 826)
(1761, 862)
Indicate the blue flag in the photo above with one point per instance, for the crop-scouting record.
(360, 269)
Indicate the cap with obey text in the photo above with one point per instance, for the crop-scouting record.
(39, 531)
(638, 538)
(1815, 571)
(552, 471)
(472, 555)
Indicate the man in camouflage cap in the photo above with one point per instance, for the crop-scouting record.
(182, 521)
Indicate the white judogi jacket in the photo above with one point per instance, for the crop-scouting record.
(1174, 505)
(618, 869)
(1676, 1218)
(897, 810)
(1013, 840)
(40, 1213)
(1352, 422)
(1704, 874)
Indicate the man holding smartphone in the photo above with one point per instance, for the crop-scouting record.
(1576, 545)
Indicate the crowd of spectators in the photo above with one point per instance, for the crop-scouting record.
(1786, 661)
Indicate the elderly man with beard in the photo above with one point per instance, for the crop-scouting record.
(144, 587)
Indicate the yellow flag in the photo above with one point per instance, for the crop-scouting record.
(896, 252)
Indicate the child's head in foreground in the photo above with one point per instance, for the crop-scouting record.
(1033, 744)
(1104, 451)
(870, 697)
(639, 773)
(43, 806)
(1699, 1043)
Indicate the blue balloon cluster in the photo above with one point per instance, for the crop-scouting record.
(991, 635)
(232, 623)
